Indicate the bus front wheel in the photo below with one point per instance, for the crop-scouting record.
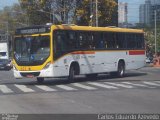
(40, 80)
(72, 72)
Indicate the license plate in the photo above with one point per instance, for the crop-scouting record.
(30, 76)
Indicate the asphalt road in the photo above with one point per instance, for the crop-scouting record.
(137, 92)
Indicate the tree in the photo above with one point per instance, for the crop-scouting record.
(44, 11)
(85, 12)
(12, 18)
(34, 10)
(70, 11)
(150, 39)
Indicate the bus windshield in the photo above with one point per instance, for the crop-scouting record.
(31, 50)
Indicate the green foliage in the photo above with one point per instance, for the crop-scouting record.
(12, 18)
(86, 8)
(150, 39)
(44, 11)
(33, 9)
(108, 12)
(40, 12)
(72, 11)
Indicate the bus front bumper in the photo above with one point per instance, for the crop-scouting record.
(31, 74)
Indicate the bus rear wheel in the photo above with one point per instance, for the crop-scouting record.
(40, 80)
(121, 69)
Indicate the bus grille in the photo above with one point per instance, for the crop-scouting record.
(30, 73)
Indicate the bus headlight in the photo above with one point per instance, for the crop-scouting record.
(47, 65)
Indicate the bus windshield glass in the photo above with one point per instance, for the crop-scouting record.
(31, 50)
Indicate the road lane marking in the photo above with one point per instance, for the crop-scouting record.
(120, 85)
(5, 89)
(135, 84)
(84, 86)
(65, 87)
(157, 81)
(45, 88)
(151, 83)
(24, 88)
(102, 85)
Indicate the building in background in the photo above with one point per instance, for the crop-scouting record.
(122, 14)
(155, 7)
(147, 12)
(153, 2)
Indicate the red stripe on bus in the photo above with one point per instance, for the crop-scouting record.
(140, 52)
(83, 52)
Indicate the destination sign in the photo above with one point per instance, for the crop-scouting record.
(33, 30)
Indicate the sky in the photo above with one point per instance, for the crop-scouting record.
(133, 8)
(4, 3)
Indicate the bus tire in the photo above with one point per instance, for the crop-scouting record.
(72, 72)
(121, 69)
(40, 80)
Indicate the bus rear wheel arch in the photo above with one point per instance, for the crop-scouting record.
(74, 70)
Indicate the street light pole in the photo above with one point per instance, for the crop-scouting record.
(96, 13)
(155, 14)
(91, 12)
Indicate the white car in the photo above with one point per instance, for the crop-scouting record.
(148, 60)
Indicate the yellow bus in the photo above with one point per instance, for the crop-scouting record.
(70, 50)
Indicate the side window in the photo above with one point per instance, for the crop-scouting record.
(121, 41)
(71, 40)
(130, 40)
(140, 41)
(86, 40)
(82, 40)
(111, 42)
(60, 42)
(133, 41)
(99, 40)
(106, 40)
(91, 41)
(115, 39)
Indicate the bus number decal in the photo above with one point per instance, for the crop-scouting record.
(76, 57)
(23, 68)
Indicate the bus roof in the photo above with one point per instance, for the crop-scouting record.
(46, 29)
(90, 28)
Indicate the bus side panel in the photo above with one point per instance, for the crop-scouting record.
(61, 67)
(135, 61)
(111, 58)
